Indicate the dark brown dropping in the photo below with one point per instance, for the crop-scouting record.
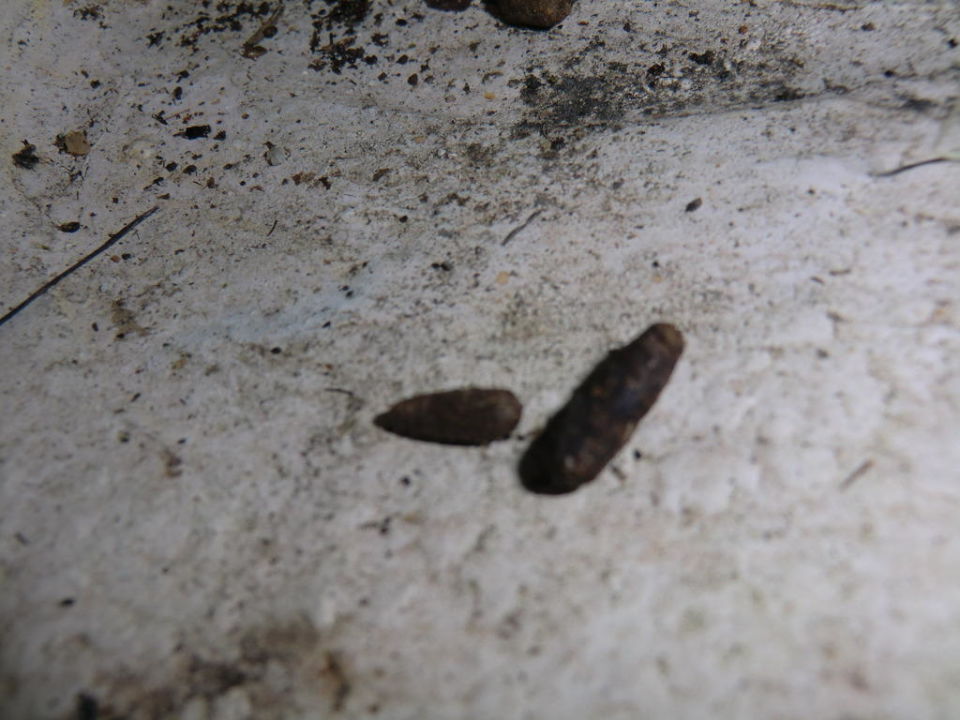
(600, 416)
(540, 14)
(454, 5)
(471, 416)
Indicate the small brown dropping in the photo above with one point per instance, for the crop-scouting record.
(470, 416)
(454, 5)
(532, 13)
(601, 415)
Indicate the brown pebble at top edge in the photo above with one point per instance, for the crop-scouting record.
(541, 14)
(601, 414)
(469, 416)
(453, 5)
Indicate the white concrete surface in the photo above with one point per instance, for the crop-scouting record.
(194, 525)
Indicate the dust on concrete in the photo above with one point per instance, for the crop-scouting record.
(276, 670)
(675, 80)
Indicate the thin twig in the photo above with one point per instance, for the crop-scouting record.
(911, 166)
(513, 233)
(340, 390)
(79, 263)
(855, 475)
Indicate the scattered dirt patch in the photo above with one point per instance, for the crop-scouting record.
(224, 16)
(279, 671)
(593, 92)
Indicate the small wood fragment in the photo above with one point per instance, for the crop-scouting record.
(74, 142)
(469, 416)
(601, 415)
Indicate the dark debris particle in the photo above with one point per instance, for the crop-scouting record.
(91, 12)
(693, 205)
(222, 135)
(413, 80)
(601, 415)
(69, 227)
(87, 707)
(787, 94)
(195, 132)
(26, 157)
(341, 54)
(469, 416)
(347, 12)
(67, 602)
(704, 58)
(531, 86)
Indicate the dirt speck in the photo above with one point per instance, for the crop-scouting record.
(281, 668)
(26, 157)
(125, 320)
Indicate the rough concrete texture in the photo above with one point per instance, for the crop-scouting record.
(198, 518)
